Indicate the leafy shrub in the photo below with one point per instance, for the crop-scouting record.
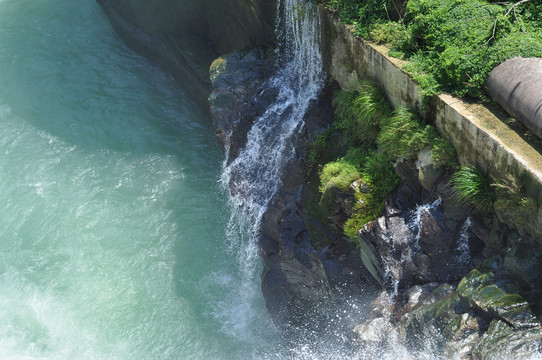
(363, 14)
(358, 115)
(472, 188)
(403, 135)
(459, 42)
(394, 34)
(451, 45)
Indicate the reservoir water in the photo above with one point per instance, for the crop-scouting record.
(115, 233)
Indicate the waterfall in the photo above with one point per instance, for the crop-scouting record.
(298, 80)
(256, 171)
(463, 250)
(416, 219)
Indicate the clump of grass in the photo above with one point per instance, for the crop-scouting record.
(472, 188)
(443, 153)
(512, 200)
(403, 135)
(359, 114)
(338, 173)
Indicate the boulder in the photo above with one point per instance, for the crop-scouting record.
(411, 247)
(236, 79)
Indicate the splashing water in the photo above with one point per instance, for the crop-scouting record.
(415, 222)
(463, 250)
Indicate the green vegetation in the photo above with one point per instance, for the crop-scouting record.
(338, 173)
(359, 115)
(380, 180)
(512, 200)
(314, 150)
(377, 137)
(451, 45)
(472, 188)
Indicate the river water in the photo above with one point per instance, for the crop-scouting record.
(115, 233)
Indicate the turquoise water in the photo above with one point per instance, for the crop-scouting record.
(116, 238)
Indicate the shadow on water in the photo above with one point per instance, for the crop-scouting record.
(73, 80)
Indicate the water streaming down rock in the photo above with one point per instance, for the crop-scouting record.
(255, 173)
(257, 170)
(463, 249)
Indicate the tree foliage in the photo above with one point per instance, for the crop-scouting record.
(451, 45)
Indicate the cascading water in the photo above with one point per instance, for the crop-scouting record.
(463, 249)
(298, 79)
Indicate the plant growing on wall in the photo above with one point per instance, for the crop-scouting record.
(473, 189)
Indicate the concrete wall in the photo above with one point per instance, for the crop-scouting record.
(478, 135)
(184, 36)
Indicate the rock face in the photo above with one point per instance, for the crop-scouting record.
(184, 36)
(299, 279)
(515, 85)
(227, 24)
(418, 240)
(491, 312)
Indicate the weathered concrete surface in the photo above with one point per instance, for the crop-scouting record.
(184, 36)
(479, 136)
(227, 24)
(516, 85)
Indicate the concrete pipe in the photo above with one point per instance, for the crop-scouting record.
(516, 85)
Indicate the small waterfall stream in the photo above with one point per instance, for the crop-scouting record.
(298, 80)
(256, 172)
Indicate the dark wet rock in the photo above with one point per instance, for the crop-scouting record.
(524, 262)
(413, 247)
(429, 174)
(406, 170)
(337, 203)
(238, 96)
(501, 339)
(495, 298)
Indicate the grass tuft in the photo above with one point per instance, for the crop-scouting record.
(472, 188)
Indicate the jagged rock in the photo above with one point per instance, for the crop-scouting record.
(236, 79)
(495, 298)
(524, 262)
(372, 332)
(411, 248)
(461, 335)
(503, 340)
(382, 306)
(429, 175)
(406, 170)
(337, 203)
